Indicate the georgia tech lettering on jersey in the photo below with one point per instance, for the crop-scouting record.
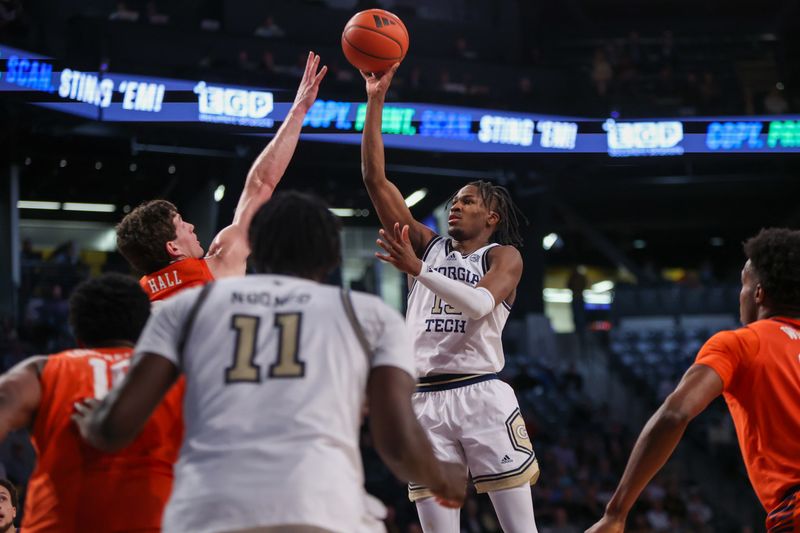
(446, 341)
(459, 273)
(164, 281)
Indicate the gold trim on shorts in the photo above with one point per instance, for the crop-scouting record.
(418, 492)
(530, 474)
(500, 482)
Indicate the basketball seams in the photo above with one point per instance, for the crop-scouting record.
(400, 46)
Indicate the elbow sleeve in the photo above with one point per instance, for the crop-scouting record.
(475, 302)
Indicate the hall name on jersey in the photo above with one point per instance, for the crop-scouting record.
(164, 281)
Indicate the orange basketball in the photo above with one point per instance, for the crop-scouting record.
(374, 40)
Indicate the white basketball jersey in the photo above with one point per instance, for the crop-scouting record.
(445, 340)
(275, 383)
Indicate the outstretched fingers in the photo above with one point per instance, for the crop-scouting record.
(320, 75)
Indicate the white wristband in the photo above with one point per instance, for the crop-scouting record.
(475, 302)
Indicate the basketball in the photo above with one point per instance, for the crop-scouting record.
(374, 40)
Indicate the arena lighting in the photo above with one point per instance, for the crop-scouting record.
(31, 204)
(549, 240)
(557, 296)
(603, 286)
(564, 296)
(88, 208)
(219, 193)
(416, 197)
(348, 212)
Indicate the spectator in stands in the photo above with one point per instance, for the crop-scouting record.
(572, 380)
(524, 88)
(210, 12)
(10, 11)
(8, 506)
(28, 253)
(666, 52)
(602, 73)
(124, 14)
(634, 50)
(690, 93)
(775, 103)
(561, 523)
(244, 62)
(666, 88)
(65, 254)
(268, 62)
(577, 284)
(299, 66)
(699, 512)
(449, 85)
(269, 29)
(344, 74)
(709, 93)
(416, 81)
(462, 50)
(154, 16)
(657, 517)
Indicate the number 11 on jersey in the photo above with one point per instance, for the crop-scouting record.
(243, 369)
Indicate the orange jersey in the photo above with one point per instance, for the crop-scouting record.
(760, 369)
(175, 277)
(76, 488)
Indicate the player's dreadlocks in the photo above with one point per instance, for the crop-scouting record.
(295, 234)
(775, 257)
(498, 199)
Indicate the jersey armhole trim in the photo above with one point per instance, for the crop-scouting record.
(412, 281)
(187, 326)
(347, 302)
(431, 243)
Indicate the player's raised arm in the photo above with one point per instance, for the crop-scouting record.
(228, 253)
(20, 393)
(385, 196)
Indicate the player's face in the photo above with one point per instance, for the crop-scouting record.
(468, 215)
(748, 307)
(185, 239)
(7, 512)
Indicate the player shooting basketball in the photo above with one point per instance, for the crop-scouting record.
(462, 289)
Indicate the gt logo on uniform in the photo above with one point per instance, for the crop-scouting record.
(518, 433)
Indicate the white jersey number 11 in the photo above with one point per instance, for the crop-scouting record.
(243, 369)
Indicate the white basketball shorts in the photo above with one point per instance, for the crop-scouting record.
(475, 420)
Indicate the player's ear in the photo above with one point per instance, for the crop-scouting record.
(493, 219)
(172, 248)
(759, 294)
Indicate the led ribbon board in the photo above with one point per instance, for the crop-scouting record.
(113, 97)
